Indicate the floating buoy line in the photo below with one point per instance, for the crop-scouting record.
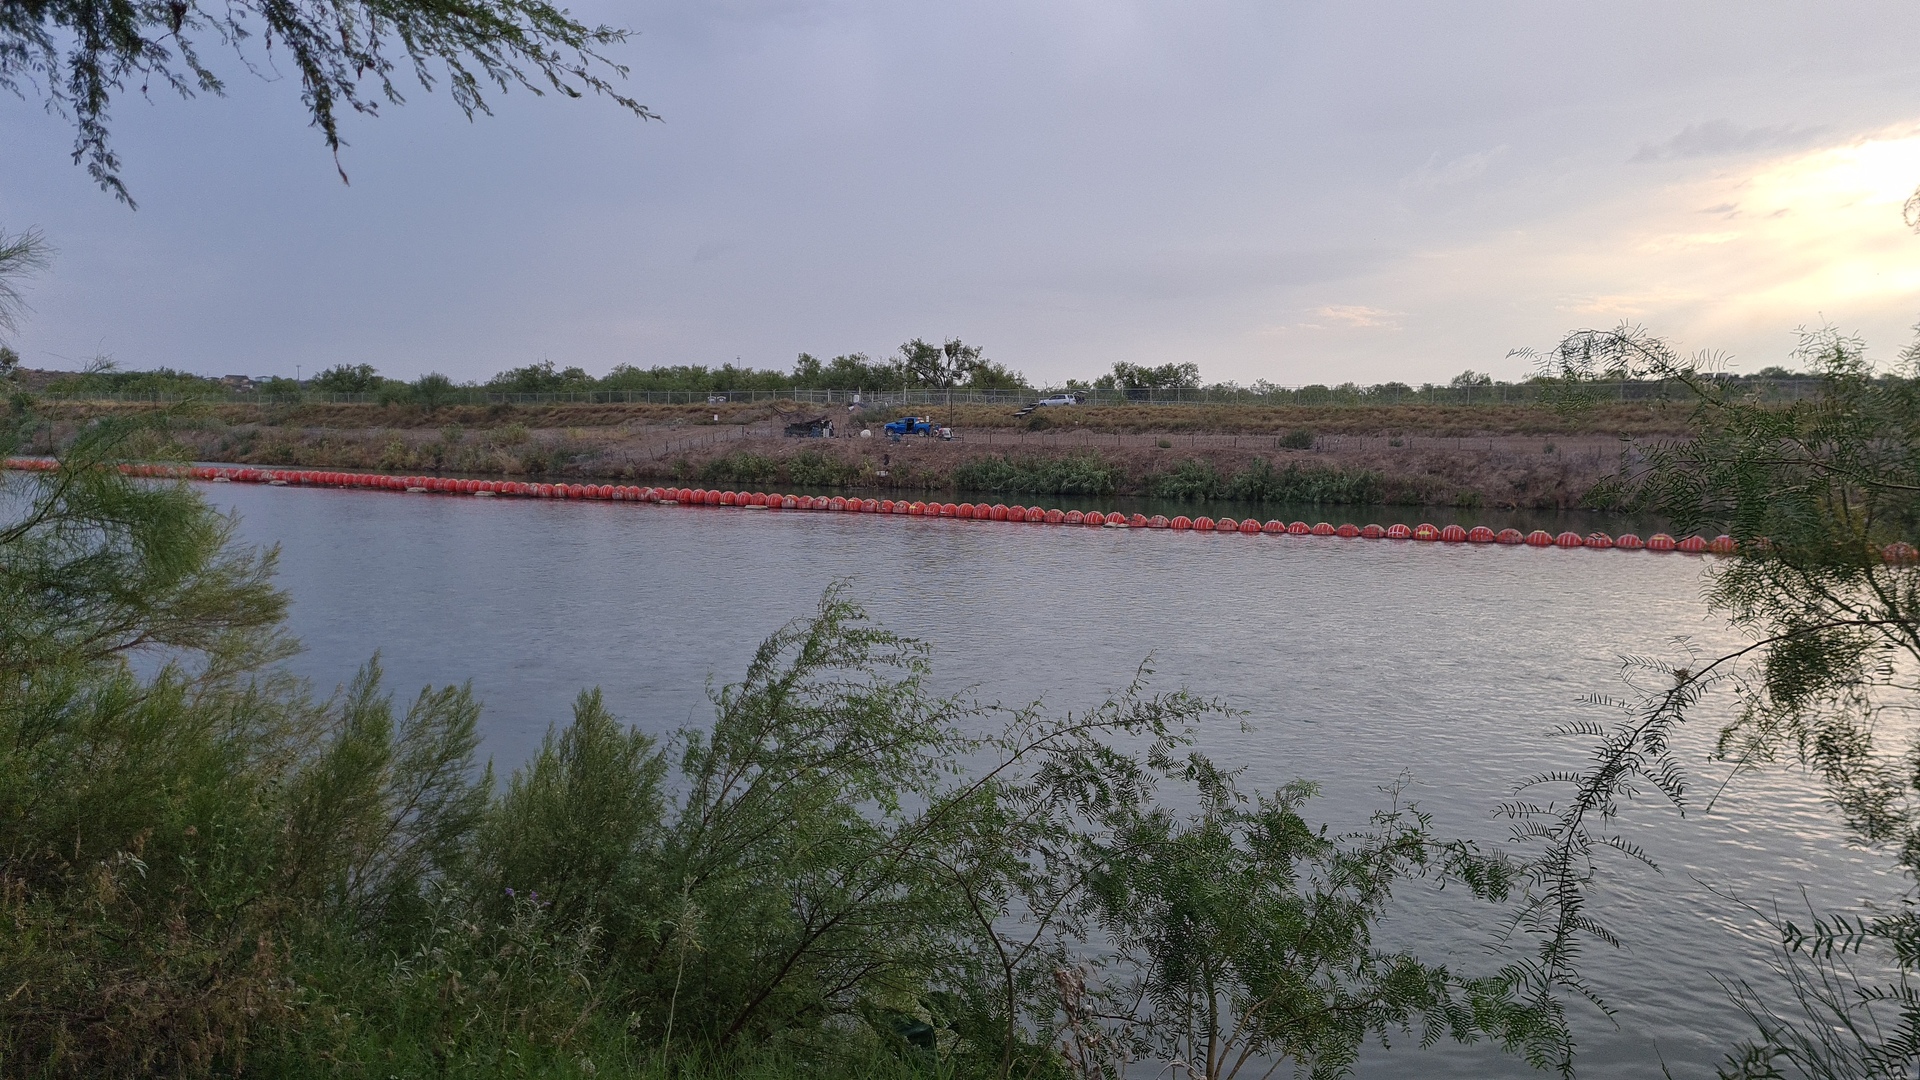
(998, 512)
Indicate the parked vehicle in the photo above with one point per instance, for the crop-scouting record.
(910, 425)
(1059, 399)
(817, 428)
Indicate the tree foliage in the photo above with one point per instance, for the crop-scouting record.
(78, 56)
(1823, 497)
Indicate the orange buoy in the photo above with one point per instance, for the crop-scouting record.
(1723, 545)
(1097, 518)
(1073, 517)
(1299, 528)
(1250, 527)
(1569, 539)
(1372, 532)
(997, 512)
(1599, 540)
(836, 503)
(1226, 524)
(869, 506)
(1539, 538)
(1399, 532)
(1158, 521)
(1016, 513)
(948, 510)
(1480, 534)
(1203, 524)
(1137, 521)
(1660, 542)
(1324, 528)
(1180, 523)
(1692, 545)
(1424, 531)
(1275, 527)
(1510, 536)
(1348, 531)
(1453, 534)
(1900, 552)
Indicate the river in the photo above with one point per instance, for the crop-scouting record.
(1355, 662)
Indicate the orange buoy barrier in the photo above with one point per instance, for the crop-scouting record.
(1723, 544)
(1900, 552)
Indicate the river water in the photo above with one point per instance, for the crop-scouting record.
(1356, 662)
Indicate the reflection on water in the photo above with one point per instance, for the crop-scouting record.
(1355, 662)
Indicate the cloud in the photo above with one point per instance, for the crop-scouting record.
(1434, 174)
(1357, 315)
(1717, 138)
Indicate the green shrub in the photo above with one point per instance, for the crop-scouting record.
(1298, 439)
(1081, 474)
(811, 468)
(1192, 479)
(741, 467)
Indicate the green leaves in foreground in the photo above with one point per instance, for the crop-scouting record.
(1817, 493)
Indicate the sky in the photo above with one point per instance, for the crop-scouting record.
(1294, 192)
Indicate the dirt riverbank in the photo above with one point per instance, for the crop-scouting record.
(1451, 456)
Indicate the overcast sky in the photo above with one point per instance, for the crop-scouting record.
(1286, 191)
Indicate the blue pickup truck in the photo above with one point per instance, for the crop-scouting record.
(910, 425)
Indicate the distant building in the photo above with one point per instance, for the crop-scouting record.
(242, 383)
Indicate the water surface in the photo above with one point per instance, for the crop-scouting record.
(1355, 661)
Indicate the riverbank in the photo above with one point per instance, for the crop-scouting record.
(1503, 456)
